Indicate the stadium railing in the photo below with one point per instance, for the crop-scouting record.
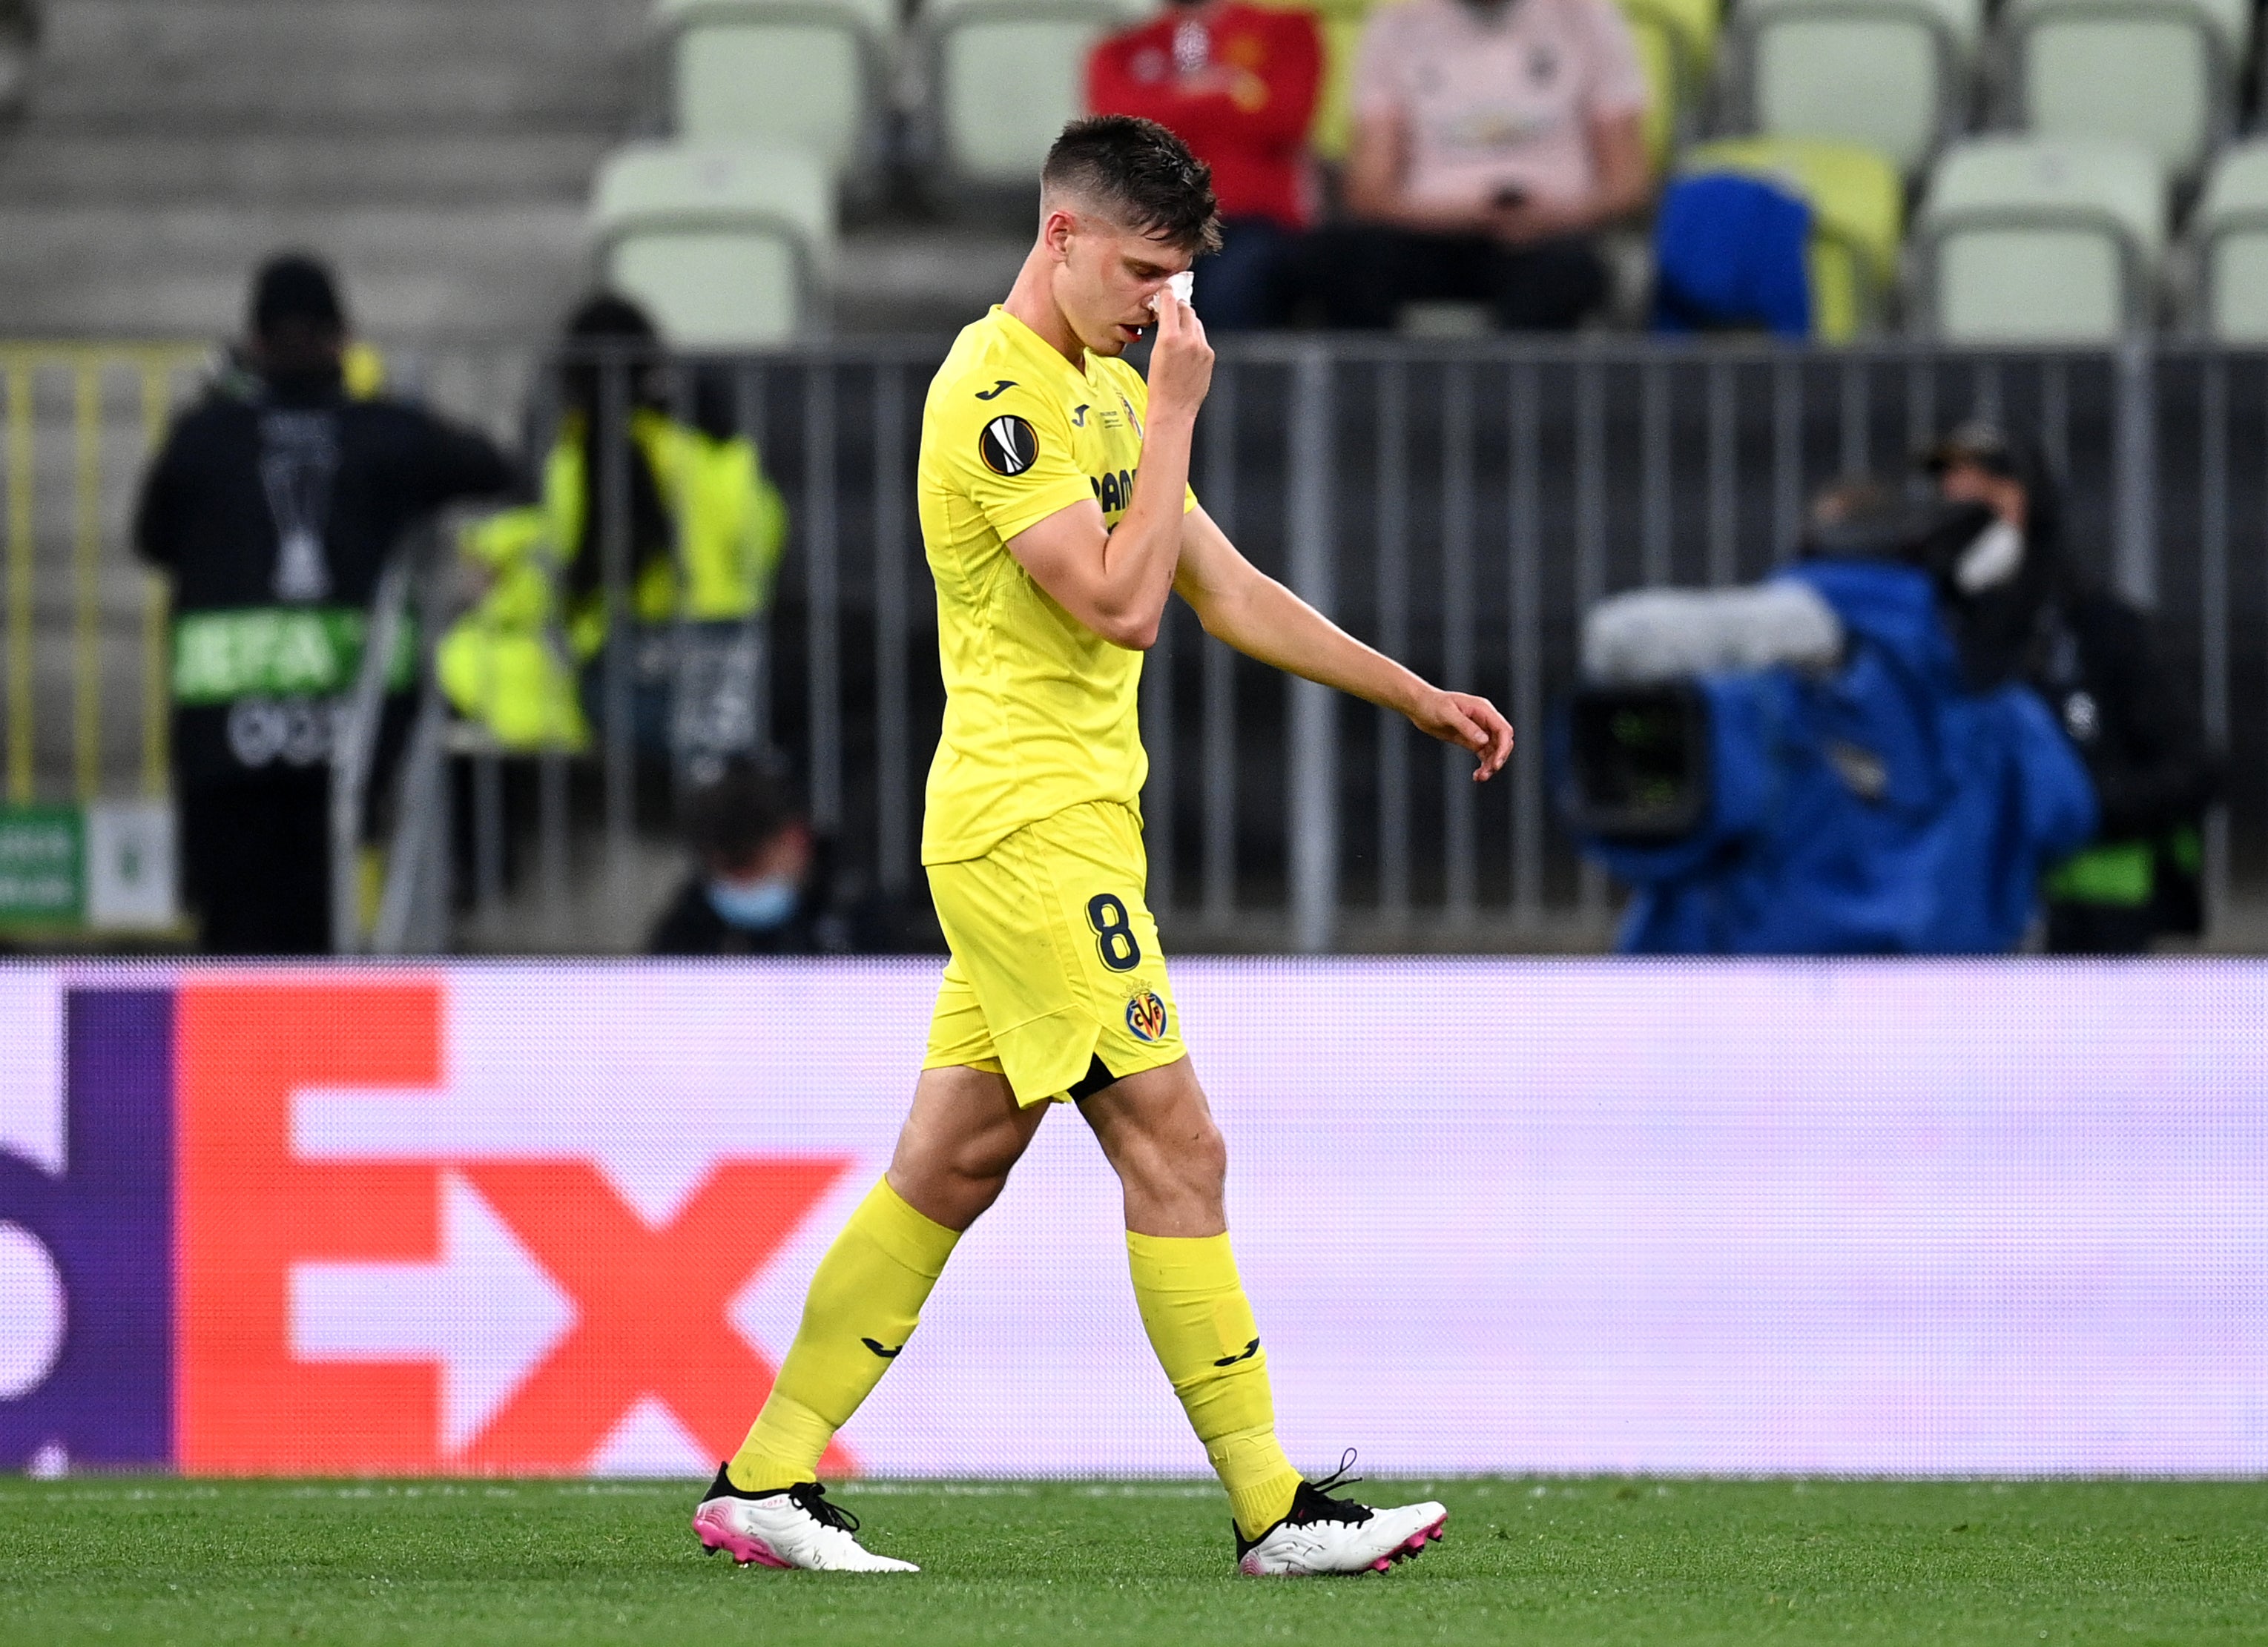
(1460, 503)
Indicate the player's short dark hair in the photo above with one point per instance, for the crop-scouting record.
(1142, 174)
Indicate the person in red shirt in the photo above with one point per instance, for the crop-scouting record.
(1237, 83)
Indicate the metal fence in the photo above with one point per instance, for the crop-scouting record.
(1460, 504)
(79, 615)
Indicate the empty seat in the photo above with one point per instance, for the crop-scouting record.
(2158, 72)
(2230, 230)
(1339, 22)
(807, 74)
(1892, 76)
(727, 246)
(1003, 77)
(1858, 208)
(1334, 126)
(2035, 239)
(1676, 43)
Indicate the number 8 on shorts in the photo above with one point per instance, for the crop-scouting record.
(1114, 932)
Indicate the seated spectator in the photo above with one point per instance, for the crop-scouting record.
(754, 890)
(1237, 83)
(1492, 141)
(763, 881)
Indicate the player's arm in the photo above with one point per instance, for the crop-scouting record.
(1116, 581)
(1250, 610)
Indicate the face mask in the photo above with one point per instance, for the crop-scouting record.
(1990, 561)
(753, 905)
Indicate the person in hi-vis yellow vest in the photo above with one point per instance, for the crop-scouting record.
(707, 529)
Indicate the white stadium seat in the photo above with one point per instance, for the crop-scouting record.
(808, 74)
(2230, 230)
(1892, 76)
(728, 245)
(2162, 73)
(1003, 76)
(2025, 240)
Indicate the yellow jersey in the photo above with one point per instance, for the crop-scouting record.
(1040, 710)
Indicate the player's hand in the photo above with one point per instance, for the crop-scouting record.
(1469, 723)
(1180, 360)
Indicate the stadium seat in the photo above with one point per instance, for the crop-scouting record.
(2035, 239)
(807, 74)
(1676, 43)
(728, 245)
(1858, 205)
(2158, 72)
(1334, 126)
(1340, 23)
(1003, 77)
(2230, 231)
(1890, 75)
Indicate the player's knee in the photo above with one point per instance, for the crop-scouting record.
(1207, 1155)
(1190, 1160)
(983, 1167)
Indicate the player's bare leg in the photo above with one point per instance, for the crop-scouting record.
(1157, 1132)
(963, 1135)
(960, 1141)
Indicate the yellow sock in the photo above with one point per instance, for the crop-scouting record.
(865, 1301)
(1200, 1325)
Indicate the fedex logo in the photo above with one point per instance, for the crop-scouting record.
(1682, 1218)
(210, 1256)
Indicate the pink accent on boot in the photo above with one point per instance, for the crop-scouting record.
(1414, 1545)
(716, 1535)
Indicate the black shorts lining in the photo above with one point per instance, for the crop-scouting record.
(1097, 1076)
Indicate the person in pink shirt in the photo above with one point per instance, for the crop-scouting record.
(1492, 140)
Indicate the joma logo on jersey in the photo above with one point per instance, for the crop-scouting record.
(1114, 492)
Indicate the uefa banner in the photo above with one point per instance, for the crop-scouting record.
(1493, 1216)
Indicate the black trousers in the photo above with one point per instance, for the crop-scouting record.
(1362, 274)
(256, 862)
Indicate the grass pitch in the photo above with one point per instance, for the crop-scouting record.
(471, 1563)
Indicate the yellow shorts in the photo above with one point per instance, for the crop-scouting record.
(1055, 963)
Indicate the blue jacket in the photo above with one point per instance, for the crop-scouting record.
(1729, 251)
(1971, 794)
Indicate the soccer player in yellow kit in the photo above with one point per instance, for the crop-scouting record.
(1056, 508)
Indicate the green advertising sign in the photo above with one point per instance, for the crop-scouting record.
(42, 865)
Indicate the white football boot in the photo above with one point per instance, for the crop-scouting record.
(794, 1527)
(1323, 1535)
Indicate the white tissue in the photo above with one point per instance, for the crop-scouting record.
(1183, 284)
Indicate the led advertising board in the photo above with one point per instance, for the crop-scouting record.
(1494, 1215)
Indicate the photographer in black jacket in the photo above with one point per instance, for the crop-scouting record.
(274, 507)
(2021, 610)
